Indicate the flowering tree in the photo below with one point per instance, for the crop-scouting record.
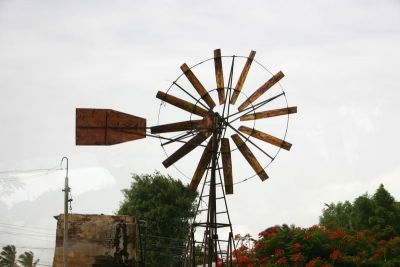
(362, 233)
(317, 246)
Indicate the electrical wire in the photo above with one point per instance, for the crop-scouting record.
(25, 230)
(29, 236)
(26, 226)
(58, 167)
(13, 175)
(27, 247)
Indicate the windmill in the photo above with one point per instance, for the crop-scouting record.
(209, 128)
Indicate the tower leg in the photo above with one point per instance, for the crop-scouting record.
(207, 252)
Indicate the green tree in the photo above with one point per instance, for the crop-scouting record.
(379, 212)
(337, 216)
(363, 208)
(26, 259)
(8, 256)
(386, 210)
(167, 206)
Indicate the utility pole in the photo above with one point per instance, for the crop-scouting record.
(66, 190)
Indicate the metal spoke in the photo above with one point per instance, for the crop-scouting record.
(252, 108)
(189, 94)
(178, 138)
(248, 140)
(170, 139)
(227, 99)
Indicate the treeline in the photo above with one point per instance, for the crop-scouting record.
(8, 258)
(365, 232)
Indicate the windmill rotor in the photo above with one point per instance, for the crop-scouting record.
(244, 109)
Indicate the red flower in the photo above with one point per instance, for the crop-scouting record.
(278, 252)
(259, 245)
(296, 246)
(270, 232)
(263, 233)
(312, 262)
(360, 235)
(378, 252)
(269, 235)
(311, 231)
(297, 257)
(334, 255)
(275, 228)
(243, 260)
(281, 260)
(336, 234)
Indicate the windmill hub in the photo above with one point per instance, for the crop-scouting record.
(217, 121)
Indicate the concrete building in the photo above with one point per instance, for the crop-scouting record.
(97, 241)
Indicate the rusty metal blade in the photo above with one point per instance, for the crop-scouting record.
(269, 113)
(200, 125)
(197, 85)
(227, 165)
(186, 148)
(176, 127)
(182, 104)
(261, 90)
(249, 156)
(201, 167)
(266, 137)
(100, 127)
(219, 76)
(242, 78)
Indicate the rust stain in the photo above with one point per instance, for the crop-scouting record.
(97, 240)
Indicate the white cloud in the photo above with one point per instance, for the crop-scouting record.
(80, 180)
(362, 119)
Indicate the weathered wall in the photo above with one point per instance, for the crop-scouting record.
(97, 240)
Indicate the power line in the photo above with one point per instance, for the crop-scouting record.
(14, 174)
(16, 228)
(26, 247)
(23, 235)
(58, 167)
(29, 234)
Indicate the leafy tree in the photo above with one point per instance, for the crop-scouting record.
(166, 205)
(378, 212)
(386, 210)
(363, 210)
(337, 215)
(318, 246)
(26, 259)
(8, 256)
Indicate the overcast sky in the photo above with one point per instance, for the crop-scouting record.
(341, 61)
